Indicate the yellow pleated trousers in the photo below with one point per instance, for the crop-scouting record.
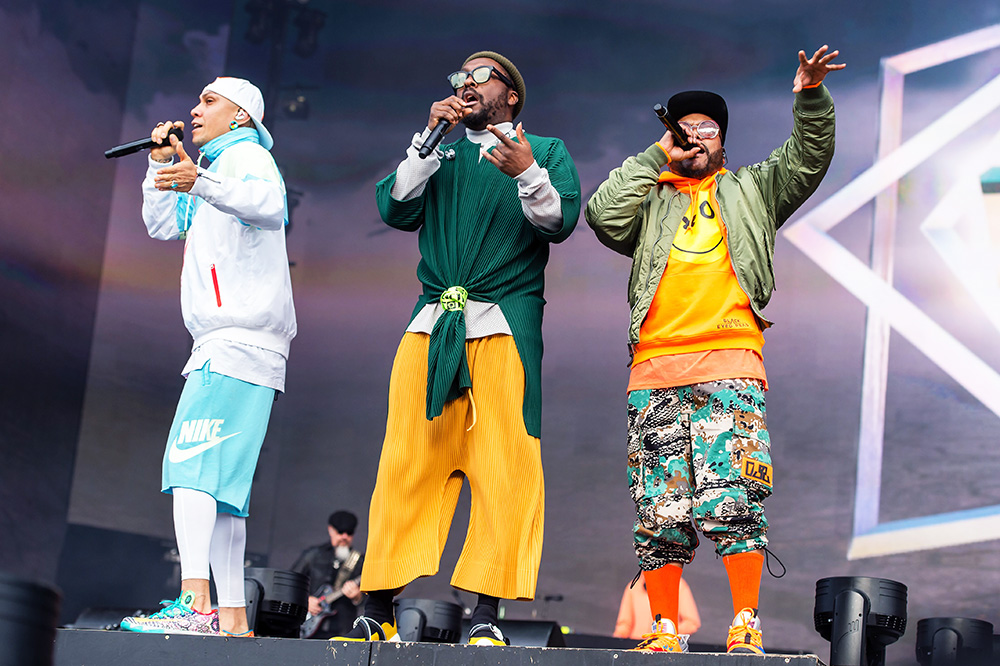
(424, 463)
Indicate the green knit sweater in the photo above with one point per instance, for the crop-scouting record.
(473, 234)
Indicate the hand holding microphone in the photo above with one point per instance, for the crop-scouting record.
(675, 137)
(680, 137)
(444, 116)
(158, 142)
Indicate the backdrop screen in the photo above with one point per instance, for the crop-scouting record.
(883, 364)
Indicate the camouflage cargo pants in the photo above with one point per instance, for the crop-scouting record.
(698, 455)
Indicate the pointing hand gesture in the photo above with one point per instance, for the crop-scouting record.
(813, 70)
(178, 177)
(511, 157)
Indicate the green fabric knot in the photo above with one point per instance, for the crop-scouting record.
(447, 366)
(454, 298)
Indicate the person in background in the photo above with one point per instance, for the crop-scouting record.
(635, 619)
(334, 569)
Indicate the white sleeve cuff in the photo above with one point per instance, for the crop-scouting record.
(540, 201)
(413, 173)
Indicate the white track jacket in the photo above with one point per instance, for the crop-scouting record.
(235, 283)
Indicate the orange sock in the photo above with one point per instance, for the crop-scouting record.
(663, 586)
(744, 571)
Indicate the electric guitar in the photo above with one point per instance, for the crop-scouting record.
(327, 596)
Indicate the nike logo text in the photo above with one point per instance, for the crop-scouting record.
(205, 431)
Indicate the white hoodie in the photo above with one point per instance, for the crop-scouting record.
(235, 284)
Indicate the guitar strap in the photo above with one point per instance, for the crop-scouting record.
(344, 573)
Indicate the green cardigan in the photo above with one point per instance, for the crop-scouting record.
(473, 234)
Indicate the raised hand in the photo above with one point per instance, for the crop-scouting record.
(813, 70)
(178, 177)
(511, 157)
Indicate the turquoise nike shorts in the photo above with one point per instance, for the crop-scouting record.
(216, 437)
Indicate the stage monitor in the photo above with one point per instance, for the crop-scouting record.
(277, 601)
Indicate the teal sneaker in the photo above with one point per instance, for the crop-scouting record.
(176, 617)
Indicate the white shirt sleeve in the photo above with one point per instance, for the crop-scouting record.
(413, 173)
(257, 202)
(159, 208)
(540, 201)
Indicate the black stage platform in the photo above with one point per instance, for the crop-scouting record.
(86, 647)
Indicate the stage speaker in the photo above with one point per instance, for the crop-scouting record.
(860, 616)
(954, 641)
(428, 621)
(528, 633)
(277, 601)
(29, 613)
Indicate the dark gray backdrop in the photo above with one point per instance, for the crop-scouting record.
(93, 341)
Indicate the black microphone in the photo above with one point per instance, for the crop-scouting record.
(142, 144)
(680, 138)
(434, 138)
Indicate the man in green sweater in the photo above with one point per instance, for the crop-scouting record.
(465, 391)
(701, 240)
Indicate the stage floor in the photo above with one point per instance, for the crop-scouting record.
(95, 647)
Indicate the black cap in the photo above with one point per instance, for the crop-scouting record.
(344, 522)
(701, 101)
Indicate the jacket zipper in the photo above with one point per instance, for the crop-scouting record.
(736, 273)
(215, 281)
(649, 273)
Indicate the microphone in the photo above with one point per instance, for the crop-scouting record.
(434, 138)
(680, 138)
(142, 144)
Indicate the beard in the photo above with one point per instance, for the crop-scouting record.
(488, 113)
(342, 552)
(715, 162)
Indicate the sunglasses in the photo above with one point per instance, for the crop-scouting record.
(706, 129)
(479, 75)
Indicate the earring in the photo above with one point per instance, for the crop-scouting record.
(233, 125)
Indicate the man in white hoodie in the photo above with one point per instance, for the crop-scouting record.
(236, 299)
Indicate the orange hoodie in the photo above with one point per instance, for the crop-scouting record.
(698, 306)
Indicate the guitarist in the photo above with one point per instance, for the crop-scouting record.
(333, 568)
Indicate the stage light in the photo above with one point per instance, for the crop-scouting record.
(954, 641)
(309, 22)
(428, 620)
(260, 20)
(277, 601)
(29, 612)
(859, 616)
(297, 108)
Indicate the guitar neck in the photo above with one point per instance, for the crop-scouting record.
(336, 594)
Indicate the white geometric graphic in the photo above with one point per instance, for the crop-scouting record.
(887, 308)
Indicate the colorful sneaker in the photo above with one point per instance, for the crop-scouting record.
(487, 633)
(177, 617)
(745, 634)
(367, 629)
(663, 638)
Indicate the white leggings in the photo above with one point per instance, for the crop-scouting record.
(204, 535)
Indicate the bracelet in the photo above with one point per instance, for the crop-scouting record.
(669, 159)
(161, 161)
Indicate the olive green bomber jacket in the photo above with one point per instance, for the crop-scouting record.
(634, 215)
